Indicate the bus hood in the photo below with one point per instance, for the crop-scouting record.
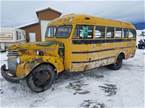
(42, 48)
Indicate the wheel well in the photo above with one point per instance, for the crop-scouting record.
(45, 63)
(122, 55)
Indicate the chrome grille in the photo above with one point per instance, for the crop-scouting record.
(12, 63)
(12, 53)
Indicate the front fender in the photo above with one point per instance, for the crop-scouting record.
(25, 68)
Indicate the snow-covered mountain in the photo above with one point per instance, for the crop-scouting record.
(140, 26)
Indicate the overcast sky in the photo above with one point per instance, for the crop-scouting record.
(17, 13)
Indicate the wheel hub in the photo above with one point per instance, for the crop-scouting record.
(41, 78)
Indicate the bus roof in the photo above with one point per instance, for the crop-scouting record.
(90, 20)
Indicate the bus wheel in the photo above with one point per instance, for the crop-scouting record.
(117, 65)
(41, 78)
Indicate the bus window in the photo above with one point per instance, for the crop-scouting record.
(118, 33)
(63, 31)
(50, 32)
(84, 31)
(132, 34)
(110, 32)
(99, 32)
(125, 33)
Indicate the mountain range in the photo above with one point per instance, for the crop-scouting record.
(140, 25)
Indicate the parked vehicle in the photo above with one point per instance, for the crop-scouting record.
(141, 44)
(9, 36)
(73, 43)
(142, 33)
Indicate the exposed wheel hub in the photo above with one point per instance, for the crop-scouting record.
(41, 78)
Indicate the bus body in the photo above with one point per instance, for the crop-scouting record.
(106, 40)
(73, 43)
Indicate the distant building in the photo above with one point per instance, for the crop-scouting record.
(36, 31)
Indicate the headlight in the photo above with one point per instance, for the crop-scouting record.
(39, 52)
(18, 60)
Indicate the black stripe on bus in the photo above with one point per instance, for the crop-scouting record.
(84, 52)
(91, 51)
(99, 41)
(92, 60)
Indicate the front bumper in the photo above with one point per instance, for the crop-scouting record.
(8, 76)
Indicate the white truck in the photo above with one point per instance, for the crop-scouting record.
(10, 36)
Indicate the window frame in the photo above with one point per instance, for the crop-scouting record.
(78, 37)
(134, 35)
(46, 33)
(69, 32)
(106, 32)
(118, 30)
(123, 29)
(54, 35)
(102, 37)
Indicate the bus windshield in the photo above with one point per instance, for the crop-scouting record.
(62, 31)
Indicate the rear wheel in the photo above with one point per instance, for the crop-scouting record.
(41, 78)
(117, 65)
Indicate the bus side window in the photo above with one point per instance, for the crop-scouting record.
(50, 32)
(99, 32)
(84, 31)
(110, 32)
(132, 34)
(118, 33)
(125, 33)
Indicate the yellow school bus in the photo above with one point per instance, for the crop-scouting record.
(74, 43)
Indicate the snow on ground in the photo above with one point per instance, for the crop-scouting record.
(99, 88)
(3, 58)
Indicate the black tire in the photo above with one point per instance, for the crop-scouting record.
(38, 81)
(117, 65)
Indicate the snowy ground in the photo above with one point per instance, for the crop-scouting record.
(99, 88)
